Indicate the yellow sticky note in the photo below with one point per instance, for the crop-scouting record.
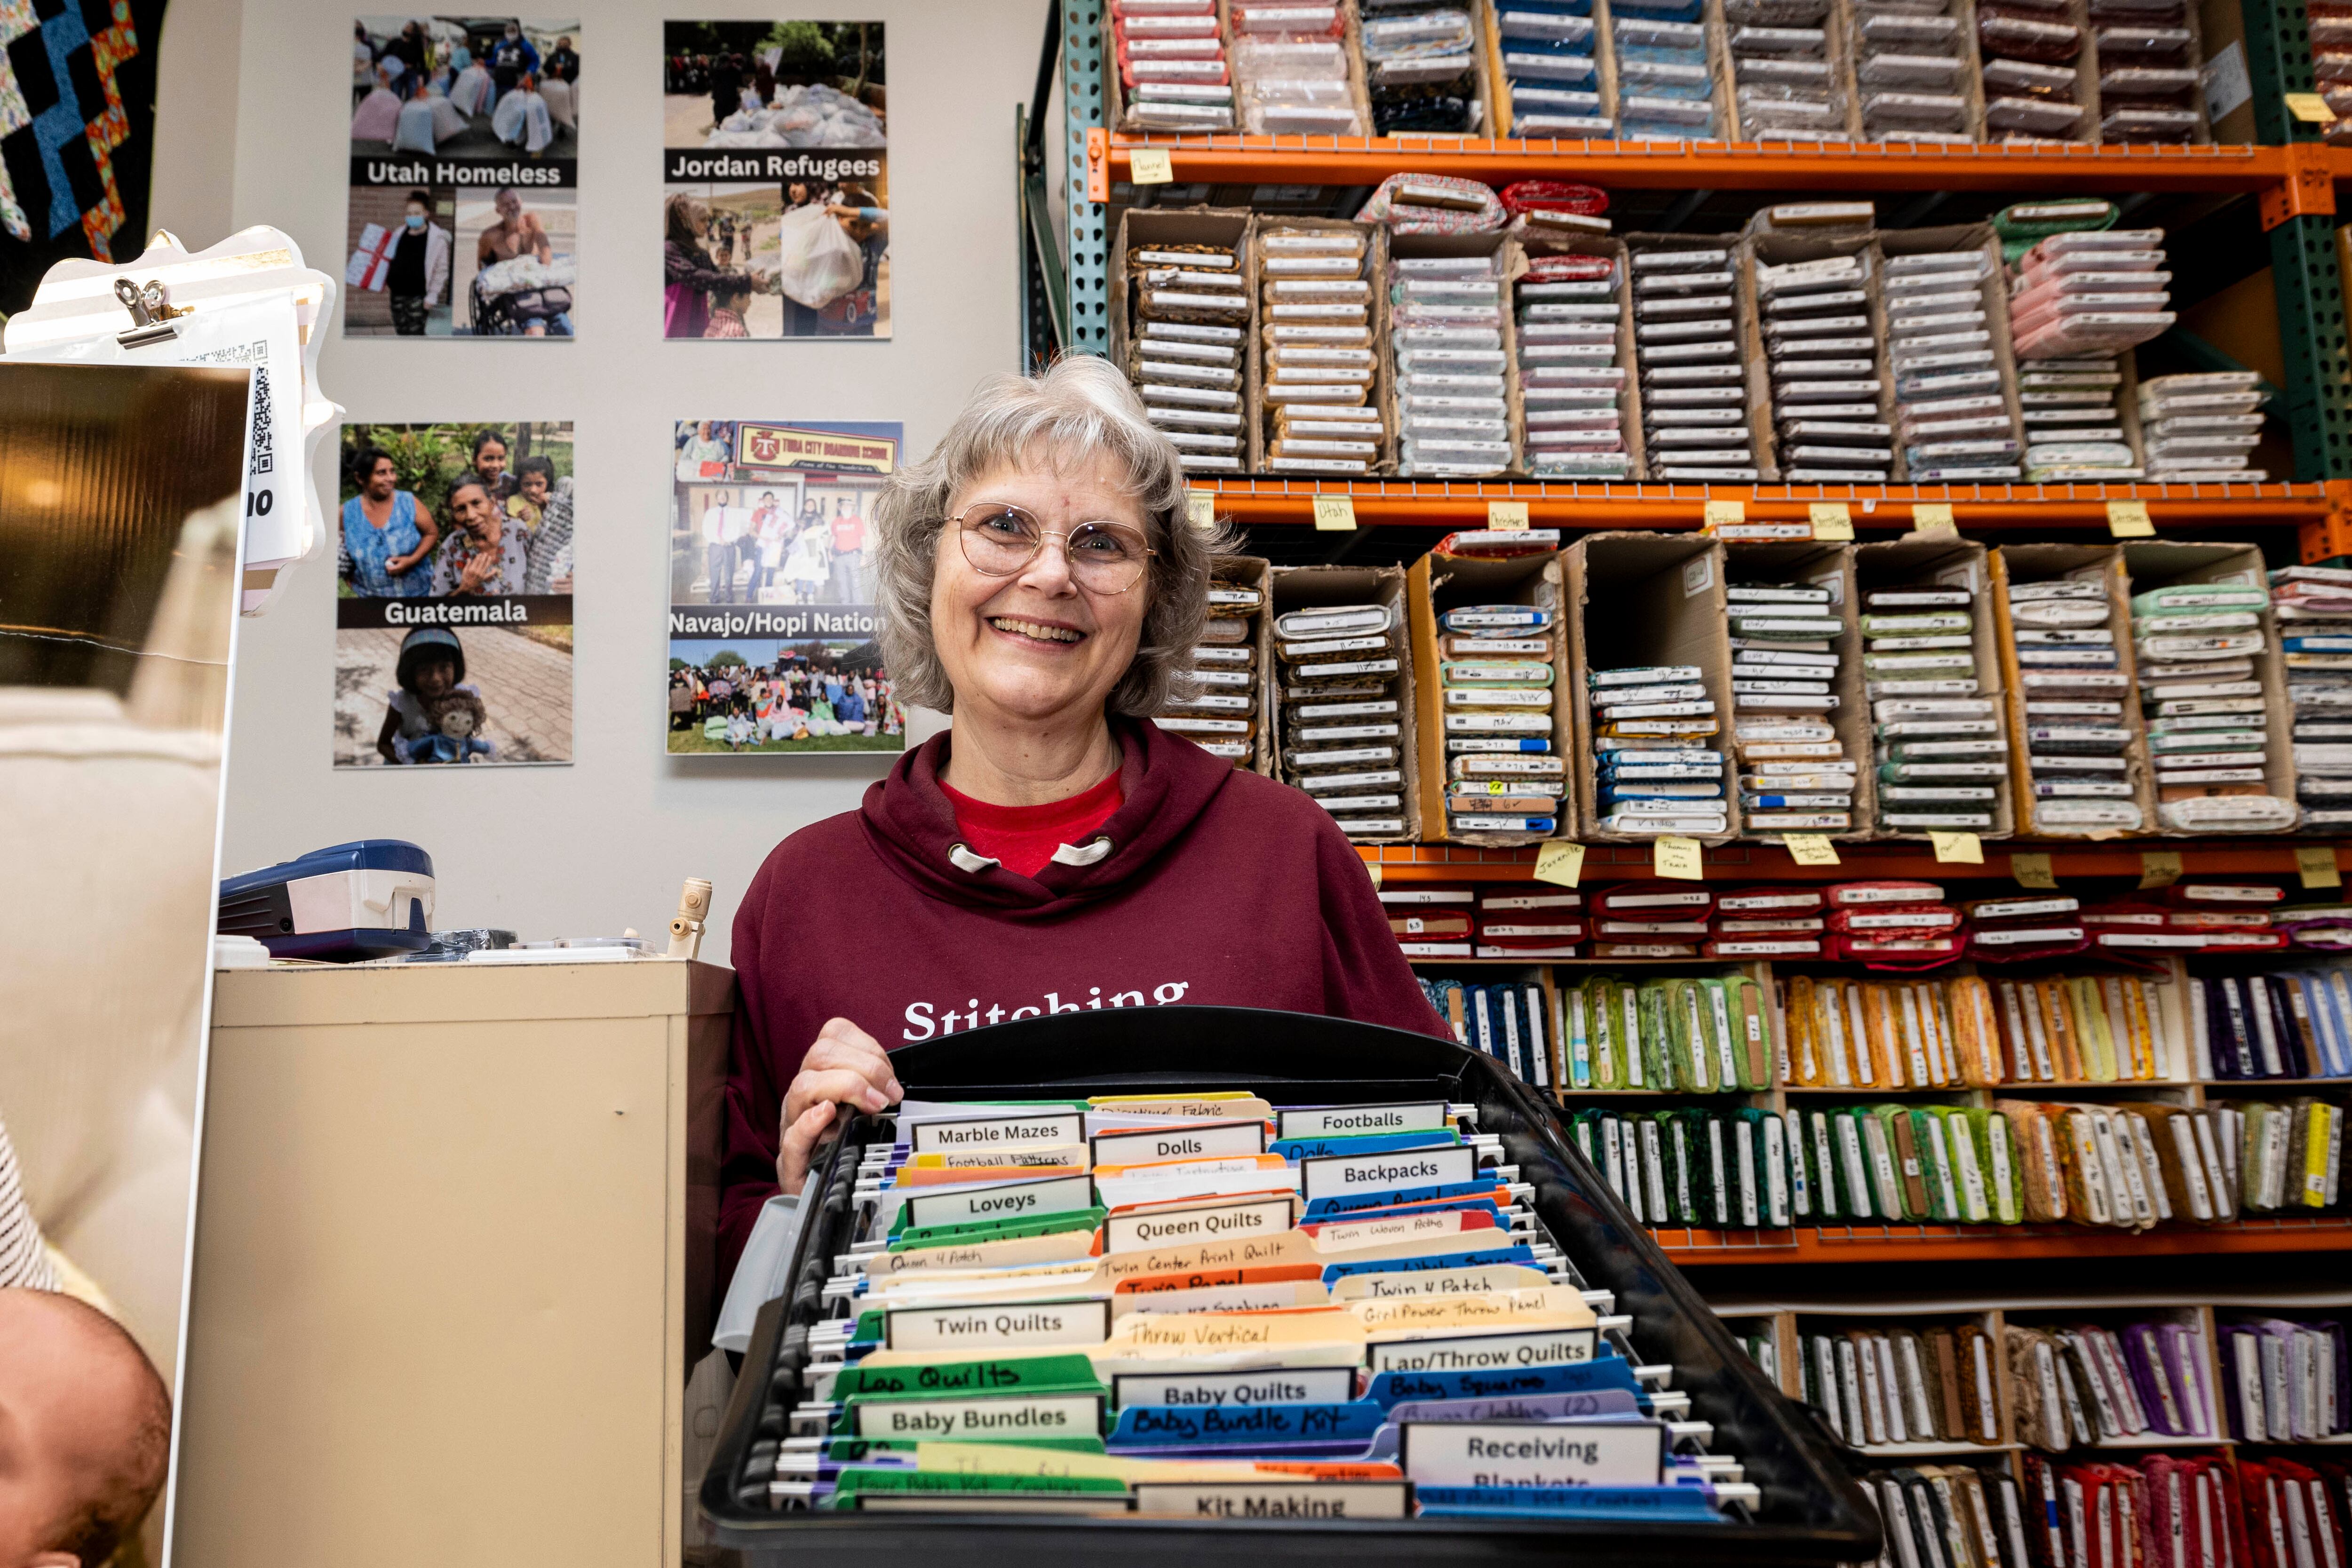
(1722, 512)
(1811, 848)
(2130, 519)
(2158, 868)
(1558, 860)
(2032, 871)
(1374, 868)
(2308, 107)
(1832, 520)
(1958, 848)
(1335, 512)
(1200, 509)
(2316, 865)
(1677, 857)
(1933, 517)
(1506, 516)
(1149, 166)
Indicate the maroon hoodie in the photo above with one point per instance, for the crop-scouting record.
(1220, 888)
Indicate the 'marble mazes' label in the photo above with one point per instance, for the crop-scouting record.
(1484, 1353)
(998, 1133)
(1219, 1222)
(948, 1420)
(1338, 1175)
(1514, 1454)
(1006, 1200)
(1356, 1121)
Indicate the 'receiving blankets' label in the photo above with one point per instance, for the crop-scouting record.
(1218, 1222)
(999, 1132)
(1150, 1146)
(1274, 1500)
(947, 1420)
(1025, 1325)
(1354, 1121)
(1533, 1454)
(1338, 1175)
(1485, 1352)
(1010, 1200)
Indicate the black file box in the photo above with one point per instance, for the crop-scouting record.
(1811, 1514)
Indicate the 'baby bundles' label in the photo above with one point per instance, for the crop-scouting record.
(1338, 1175)
(949, 1420)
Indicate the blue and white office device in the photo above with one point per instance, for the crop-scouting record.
(369, 898)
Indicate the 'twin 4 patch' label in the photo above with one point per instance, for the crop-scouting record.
(1334, 1175)
(1009, 1200)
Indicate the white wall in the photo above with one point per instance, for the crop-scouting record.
(603, 843)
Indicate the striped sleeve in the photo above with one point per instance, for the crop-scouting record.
(23, 1258)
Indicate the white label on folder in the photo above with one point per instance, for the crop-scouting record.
(1023, 1324)
(1210, 1141)
(1175, 1227)
(1532, 1454)
(947, 1420)
(1336, 1175)
(1359, 1121)
(1236, 1390)
(1273, 1500)
(1005, 1200)
(999, 1132)
(1485, 1352)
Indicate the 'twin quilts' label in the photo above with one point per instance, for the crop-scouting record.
(1025, 1325)
(1339, 1175)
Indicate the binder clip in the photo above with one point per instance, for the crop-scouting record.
(151, 313)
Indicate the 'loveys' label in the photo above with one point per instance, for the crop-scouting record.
(1007, 1200)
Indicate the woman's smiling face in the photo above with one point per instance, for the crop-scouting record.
(1035, 645)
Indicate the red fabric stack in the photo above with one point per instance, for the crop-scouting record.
(1892, 924)
(1769, 922)
(1651, 920)
(1549, 923)
(2022, 926)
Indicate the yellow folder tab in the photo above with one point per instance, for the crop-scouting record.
(1060, 1247)
(1208, 1333)
(1549, 1307)
(1213, 1256)
(1012, 1459)
(1187, 1107)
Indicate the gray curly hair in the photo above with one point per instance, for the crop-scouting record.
(1081, 407)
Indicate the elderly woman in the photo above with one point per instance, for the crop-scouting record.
(1055, 852)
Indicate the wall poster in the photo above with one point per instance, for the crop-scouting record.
(771, 621)
(776, 198)
(453, 610)
(464, 177)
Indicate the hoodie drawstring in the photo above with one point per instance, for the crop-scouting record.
(963, 859)
(1073, 855)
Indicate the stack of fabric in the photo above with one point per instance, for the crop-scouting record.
(1571, 385)
(1940, 753)
(2138, 926)
(1886, 1384)
(1794, 774)
(1780, 72)
(1688, 1035)
(1292, 68)
(2290, 1024)
(2202, 426)
(1218, 712)
(1316, 333)
(1339, 671)
(1910, 71)
(1549, 70)
(1712, 1170)
(1821, 351)
(1650, 920)
(2077, 300)
(1952, 415)
(1191, 313)
(1429, 922)
(1654, 734)
(1497, 668)
(2037, 925)
(2033, 76)
(1665, 82)
(1878, 1034)
(1420, 66)
(2286, 1381)
(2288, 1156)
(1446, 330)
(2313, 606)
(2151, 71)
(2071, 680)
(1507, 1020)
(1896, 922)
(1693, 392)
(2207, 723)
(1530, 926)
(1171, 65)
(2147, 1379)
(1767, 922)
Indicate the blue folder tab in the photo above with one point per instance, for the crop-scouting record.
(1606, 1370)
(1191, 1426)
(1567, 1502)
(1493, 1255)
(1297, 1149)
(1343, 1204)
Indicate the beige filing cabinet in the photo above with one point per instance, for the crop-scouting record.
(454, 1239)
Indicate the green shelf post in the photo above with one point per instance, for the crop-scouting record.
(1087, 276)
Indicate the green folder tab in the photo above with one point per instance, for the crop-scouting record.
(994, 1374)
(889, 1478)
(965, 1231)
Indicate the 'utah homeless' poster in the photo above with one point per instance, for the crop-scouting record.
(776, 194)
(453, 608)
(772, 625)
(464, 177)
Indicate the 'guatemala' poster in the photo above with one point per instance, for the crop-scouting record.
(772, 623)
